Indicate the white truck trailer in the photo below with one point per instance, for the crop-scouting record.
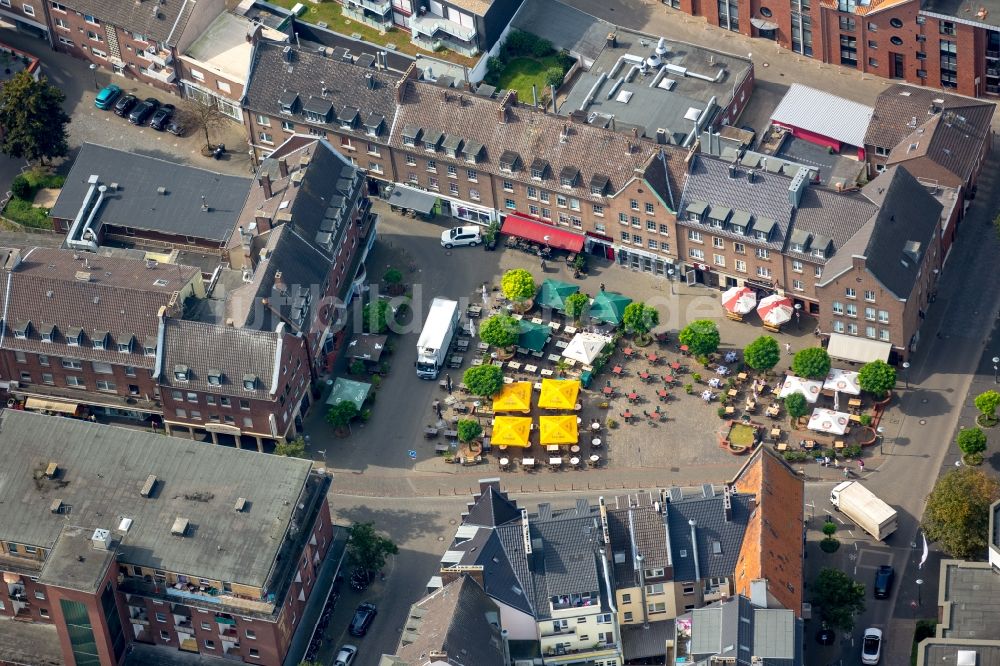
(435, 338)
(863, 507)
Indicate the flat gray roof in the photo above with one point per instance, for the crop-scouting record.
(101, 471)
(939, 652)
(973, 591)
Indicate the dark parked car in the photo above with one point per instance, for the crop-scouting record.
(106, 98)
(125, 104)
(883, 581)
(161, 117)
(141, 113)
(362, 619)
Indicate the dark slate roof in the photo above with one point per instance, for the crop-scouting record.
(736, 629)
(166, 26)
(459, 620)
(308, 74)
(236, 352)
(828, 214)
(898, 106)
(711, 528)
(645, 641)
(137, 203)
(952, 139)
(708, 181)
(645, 529)
(492, 508)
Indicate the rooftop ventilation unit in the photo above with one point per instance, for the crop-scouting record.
(101, 539)
(241, 504)
(179, 528)
(56, 506)
(52, 470)
(147, 487)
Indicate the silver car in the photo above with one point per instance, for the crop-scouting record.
(346, 655)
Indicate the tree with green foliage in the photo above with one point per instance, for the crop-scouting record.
(500, 331)
(294, 448)
(811, 363)
(972, 443)
(554, 76)
(576, 305)
(877, 378)
(484, 380)
(957, 514)
(762, 354)
(468, 430)
(32, 118)
(796, 405)
(367, 549)
(839, 598)
(701, 337)
(518, 285)
(638, 319)
(341, 414)
(375, 316)
(987, 403)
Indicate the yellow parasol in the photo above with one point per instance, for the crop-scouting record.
(511, 431)
(557, 430)
(514, 397)
(559, 393)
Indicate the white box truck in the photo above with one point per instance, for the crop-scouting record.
(435, 338)
(864, 508)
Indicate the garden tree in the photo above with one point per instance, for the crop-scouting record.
(796, 405)
(375, 316)
(957, 512)
(576, 305)
(341, 414)
(518, 285)
(32, 118)
(811, 363)
(987, 403)
(484, 380)
(638, 319)
(500, 331)
(205, 118)
(394, 279)
(971, 441)
(367, 549)
(295, 448)
(839, 597)
(877, 378)
(701, 336)
(468, 430)
(763, 353)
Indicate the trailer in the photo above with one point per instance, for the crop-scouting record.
(863, 507)
(436, 336)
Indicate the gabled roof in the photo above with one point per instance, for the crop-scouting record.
(166, 24)
(825, 214)
(635, 519)
(900, 109)
(719, 538)
(492, 507)
(459, 622)
(842, 119)
(949, 139)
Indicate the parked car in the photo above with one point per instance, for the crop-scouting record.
(107, 97)
(883, 581)
(161, 117)
(871, 647)
(175, 127)
(143, 110)
(125, 104)
(362, 619)
(470, 235)
(346, 655)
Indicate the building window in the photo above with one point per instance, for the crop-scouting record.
(533, 210)
(852, 329)
(28, 10)
(105, 385)
(164, 636)
(656, 607)
(797, 285)
(883, 335)
(696, 253)
(763, 253)
(838, 326)
(838, 308)
(472, 175)
(664, 230)
(251, 634)
(474, 194)
(598, 210)
(739, 248)
(266, 137)
(719, 260)
(870, 332)
(561, 201)
(763, 271)
(870, 314)
(649, 209)
(209, 644)
(254, 652)
(818, 271)
(848, 51)
(652, 244)
(694, 235)
(850, 293)
(946, 28)
(637, 239)
(847, 23)
(852, 310)
(883, 316)
(718, 242)
(91, 20)
(633, 204)
(636, 222)
(741, 266)
(47, 378)
(72, 364)
(508, 186)
(509, 204)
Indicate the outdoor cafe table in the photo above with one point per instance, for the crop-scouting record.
(514, 365)
(684, 349)
(715, 382)
(628, 351)
(575, 448)
(827, 420)
(531, 368)
(675, 365)
(561, 344)
(633, 396)
(504, 462)
(722, 370)
(555, 461)
(668, 379)
(782, 446)
(546, 372)
(594, 459)
(570, 330)
(627, 415)
(528, 462)
(596, 442)
(574, 461)
(662, 393)
(644, 376)
(731, 357)
(536, 320)
(608, 390)
(652, 358)
(595, 426)
(482, 346)
(775, 433)
(732, 393)
(617, 370)
(552, 448)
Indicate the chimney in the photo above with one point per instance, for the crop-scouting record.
(400, 88)
(727, 504)
(265, 185)
(279, 283)
(612, 40)
(694, 548)
(263, 222)
(502, 114)
(758, 592)
(283, 167)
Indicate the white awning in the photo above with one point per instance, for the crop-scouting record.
(859, 350)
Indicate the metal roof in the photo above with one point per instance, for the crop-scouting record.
(840, 119)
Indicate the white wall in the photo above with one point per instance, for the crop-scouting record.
(519, 625)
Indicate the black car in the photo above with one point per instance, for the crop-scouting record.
(883, 581)
(161, 117)
(362, 619)
(141, 113)
(125, 104)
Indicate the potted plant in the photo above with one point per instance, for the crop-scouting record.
(575, 305)
(393, 278)
(972, 443)
(987, 402)
(490, 236)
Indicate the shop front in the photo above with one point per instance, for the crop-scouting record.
(467, 212)
(599, 245)
(640, 260)
(697, 273)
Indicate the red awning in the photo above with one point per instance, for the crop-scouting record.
(522, 227)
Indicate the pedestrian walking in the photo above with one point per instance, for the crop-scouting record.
(847, 472)
(861, 465)
(440, 415)
(447, 381)
(602, 286)
(436, 407)
(788, 348)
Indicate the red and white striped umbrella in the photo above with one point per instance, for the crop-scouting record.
(775, 310)
(739, 300)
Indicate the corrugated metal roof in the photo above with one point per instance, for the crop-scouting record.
(820, 112)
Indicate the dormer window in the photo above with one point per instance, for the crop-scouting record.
(819, 252)
(509, 161)
(250, 382)
(411, 135)
(124, 342)
(821, 246)
(472, 151)
(762, 229)
(718, 216)
(348, 117)
(599, 185)
(317, 110)
(799, 242)
(761, 235)
(432, 140)
(74, 337)
(149, 347)
(452, 144)
(740, 221)
(569, 176)
(696, 211)
(22, 329)
(182, 373)
(539, 168)
(215, 377)
(289, 102)
(374, 123)
(100, 339)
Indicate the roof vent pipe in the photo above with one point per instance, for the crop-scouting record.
(694, 548)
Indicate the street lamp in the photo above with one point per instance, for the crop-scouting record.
(881, 438)
(670, 277)
(798, 315)
(919, 581)
(996, 367)
(906, 373)
(93, 70)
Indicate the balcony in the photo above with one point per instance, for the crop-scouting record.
(574, 601)
(163, 74)
(183, 623)
(138, 615)
(380, 8)
(430, 25)
(574, 655)
(197, 598)
(381, 22)
(549, 629)
(156, 56)
(16, 592)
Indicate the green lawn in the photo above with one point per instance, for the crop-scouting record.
(521, 72)
(742, 435)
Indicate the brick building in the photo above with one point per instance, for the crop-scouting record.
(28, 16)
(137, 40)
(122, 536)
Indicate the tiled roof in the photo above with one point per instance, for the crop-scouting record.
(528, 132)
(491, 508)
(641, 641)
(952, 139)
(95, 294)
(166, 25)
(635, 519)
(310, 73)
(901, 108)
(709, 182)
(828, 214)
(718, 539)
(459, 620)
(235, 355)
